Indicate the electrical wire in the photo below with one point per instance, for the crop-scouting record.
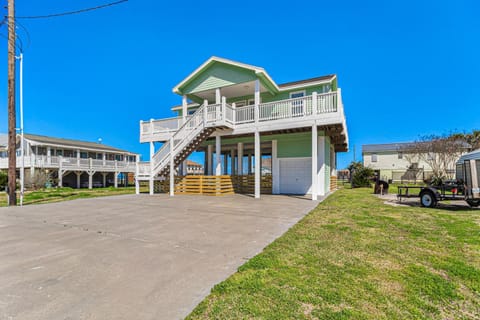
(71, 12)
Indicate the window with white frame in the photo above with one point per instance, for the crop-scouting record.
(297, 105)
(374, 157)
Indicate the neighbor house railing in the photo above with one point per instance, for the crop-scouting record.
(69, 163)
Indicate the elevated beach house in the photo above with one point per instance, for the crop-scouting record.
(283, 136)
(71, 163)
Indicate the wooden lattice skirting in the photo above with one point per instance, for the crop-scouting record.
(215, 185)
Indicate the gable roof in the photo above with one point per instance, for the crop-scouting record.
(44, 140)
(257, 70)
(212, 60)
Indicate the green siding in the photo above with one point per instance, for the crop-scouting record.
(288, 145)
(286, 94)
(218, 75)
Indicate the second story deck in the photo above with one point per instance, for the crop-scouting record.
(323, 109)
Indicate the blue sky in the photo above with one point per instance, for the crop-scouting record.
(406, 68)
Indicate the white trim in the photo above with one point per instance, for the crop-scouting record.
(308, 84)
(240, 102)
(275, 168)
(304, 92)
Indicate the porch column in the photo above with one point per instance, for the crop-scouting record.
(104, 179)
(210, 159)
(205, 163)
(225, 163)
(257, 99)
(78, 157)
(314, 162)
(79, 174)
(249, 163)
(137, 172)
(240, 158)
(60, 172)
(232, 162)
(184, 167)
(257, 164)
(104, 158)
(184, 108)
(115, 181)
(218, 96)
(150, 181)
(321, 166)
(49, 155)
(172, 170)
(218, 151)
(275, 168)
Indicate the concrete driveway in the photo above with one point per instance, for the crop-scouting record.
(131, 257)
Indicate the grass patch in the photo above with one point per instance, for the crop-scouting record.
(355, 258)
(64, 194)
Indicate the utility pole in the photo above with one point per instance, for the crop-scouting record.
(12, 135)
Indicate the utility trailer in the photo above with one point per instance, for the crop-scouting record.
(465, 187)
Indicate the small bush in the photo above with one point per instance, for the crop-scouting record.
(3, 180)
(361, 175)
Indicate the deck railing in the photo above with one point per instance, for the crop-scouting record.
(69, 163)
(297, 108)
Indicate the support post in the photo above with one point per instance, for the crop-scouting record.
(218, 152)
(257, 164)
(218, 96)
(314, 162)
(184, 108)
(232, 162)
(210, 159)
(60, 172)
(79, 176)
(240, 158)
(115, 180)
(225, 163)
(172, 169)
(49, 155)
(150, 180)
(137, 172)
(249, 163)
(275, 168)
(257, 100)
(104, 179)
(314, 103)
(205, 112)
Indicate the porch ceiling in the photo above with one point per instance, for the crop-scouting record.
(236, 90)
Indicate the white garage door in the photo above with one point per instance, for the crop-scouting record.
(295, 175)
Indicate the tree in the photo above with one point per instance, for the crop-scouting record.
(360, 175)
(439, 152)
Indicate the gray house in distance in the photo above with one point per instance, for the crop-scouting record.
(72, 163)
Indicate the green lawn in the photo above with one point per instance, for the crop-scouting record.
(355, 258)
(63, 194)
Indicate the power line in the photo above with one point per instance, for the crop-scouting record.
(72, 12)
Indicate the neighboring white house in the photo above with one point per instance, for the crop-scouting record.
(71, 163)
(393, 162)
(238, 116)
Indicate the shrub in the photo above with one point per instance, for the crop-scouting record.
(361, 176)
(3, 180)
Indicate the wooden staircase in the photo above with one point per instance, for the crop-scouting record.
(185, 152)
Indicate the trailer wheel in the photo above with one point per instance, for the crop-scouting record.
(473, 203)
(428, 199)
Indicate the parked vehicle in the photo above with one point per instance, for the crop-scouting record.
(464, 187)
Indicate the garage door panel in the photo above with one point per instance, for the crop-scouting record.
(295, 175)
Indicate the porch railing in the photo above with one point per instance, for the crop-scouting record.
(71, 163)
(297, 108)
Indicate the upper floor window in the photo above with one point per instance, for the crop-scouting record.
(297, 94)
(374, 157)
(400, 155)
